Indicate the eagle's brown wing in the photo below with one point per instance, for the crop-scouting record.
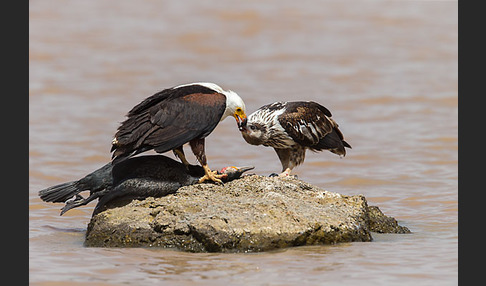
(165, 121)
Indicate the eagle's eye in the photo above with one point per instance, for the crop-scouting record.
(238, 109)
(252, 127)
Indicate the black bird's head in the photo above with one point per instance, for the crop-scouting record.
(232, 173)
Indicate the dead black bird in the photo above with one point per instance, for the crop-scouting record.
(134, 178)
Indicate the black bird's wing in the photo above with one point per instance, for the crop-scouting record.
(168, 120)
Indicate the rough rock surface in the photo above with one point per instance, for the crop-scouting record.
(254, 213)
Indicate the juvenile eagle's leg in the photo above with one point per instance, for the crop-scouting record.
(197, 146)
(179, 153)
(284, 156)
(290, 158)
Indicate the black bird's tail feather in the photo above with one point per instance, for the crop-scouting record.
(60, 193)
(94, 182)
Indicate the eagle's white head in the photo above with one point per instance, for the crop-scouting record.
(234, 107)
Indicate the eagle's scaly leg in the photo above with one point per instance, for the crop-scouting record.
(290, 158)
(179, 153)
(197, 146)
(284, 156)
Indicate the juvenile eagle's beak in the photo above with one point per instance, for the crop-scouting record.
(240, 117)
(242, 126)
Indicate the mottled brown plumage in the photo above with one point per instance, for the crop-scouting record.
(293, 127)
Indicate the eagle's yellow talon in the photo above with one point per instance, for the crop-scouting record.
(211, 176)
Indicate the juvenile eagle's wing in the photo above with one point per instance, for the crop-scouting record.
(310, 124)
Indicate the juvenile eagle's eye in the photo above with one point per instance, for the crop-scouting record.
(252, 127)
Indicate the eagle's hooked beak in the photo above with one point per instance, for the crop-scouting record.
(240, 117)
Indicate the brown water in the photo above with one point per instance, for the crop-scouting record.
(386, 70)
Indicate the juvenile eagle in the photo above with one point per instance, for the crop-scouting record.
(291, 128)
(172, 117)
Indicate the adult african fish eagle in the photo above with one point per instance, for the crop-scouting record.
(172, 117)
(291, 128)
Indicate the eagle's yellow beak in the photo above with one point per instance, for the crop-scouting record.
(240, 116)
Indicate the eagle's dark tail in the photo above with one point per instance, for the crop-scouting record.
(347, 145)
(340, 150)
(333, 142)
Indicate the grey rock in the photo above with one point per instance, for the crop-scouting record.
(253, 213)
